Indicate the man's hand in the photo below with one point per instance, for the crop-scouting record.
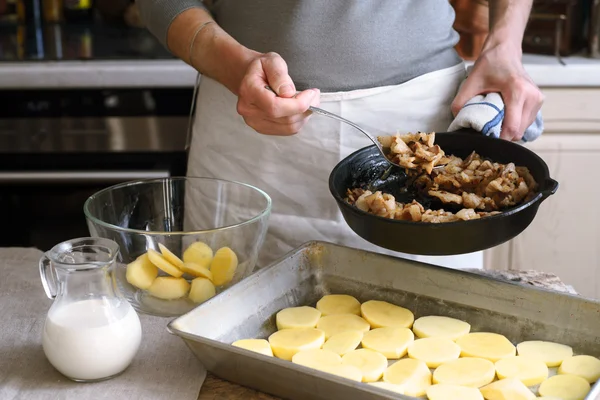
(245, 72)
(499, 70)
(266, 112)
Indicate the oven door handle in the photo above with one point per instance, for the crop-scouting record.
(79, 177)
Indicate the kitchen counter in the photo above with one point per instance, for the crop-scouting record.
(546, 71)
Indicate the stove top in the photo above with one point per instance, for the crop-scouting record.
(92, 41)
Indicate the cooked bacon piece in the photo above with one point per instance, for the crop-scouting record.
(471, 200)
(466, 214)
(413, 151)
(446, 197)
(438, 216)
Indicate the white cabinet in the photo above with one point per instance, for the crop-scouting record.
(564, 238)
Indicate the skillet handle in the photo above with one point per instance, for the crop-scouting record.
(551, 186)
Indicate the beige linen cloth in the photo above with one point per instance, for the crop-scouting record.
(164, 367)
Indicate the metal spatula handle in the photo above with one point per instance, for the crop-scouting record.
(326, 113)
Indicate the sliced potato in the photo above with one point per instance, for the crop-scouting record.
(443, 391)
(287, 342)
(198, 253)
(297, 317)
(553, 354)
(157, 259)
(566, 387)
(317, 358)
(202, 289)
(223, 266)
(438, 326)
(371, 363)
(257, 345)
(507, 389)
(413, 375)
(381, 314)
(469, 371)
(391, 342)
(338, 323)
(491, 346)
(344, 371)
(344, 342)
(587, 367)
(434, 351)
(338, 304)
(528, 370)
(196, 270)
(389, 386)
(169, 288)
(169, 255)
(141, 272)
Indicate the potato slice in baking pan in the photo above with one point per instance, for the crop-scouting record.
(141, 272)
(380, 314)
(297, 317)
(198, 253)
(389, 386)
(469, 371)
(587, 367)
(338, 323)
(223, 266)
(530, 371)
(566, 387)
(169, 288)
(257, 345)
(553, 354)
(317, 358)
(434, 351)
(332, 304)
(343, 342)
(507, 389)
(169, 255)
(196, 270)
(345, 371)
(391, 342)
(157, 259)
(443, 391)
(371, 363)
(438, 326)
(287, 342)
(491, 346)
(412, 374)
(202, 289)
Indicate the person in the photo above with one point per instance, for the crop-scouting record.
(388, 65)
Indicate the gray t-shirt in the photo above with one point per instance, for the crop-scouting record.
(333, 45)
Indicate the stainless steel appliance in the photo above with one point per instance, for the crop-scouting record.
(57, 147)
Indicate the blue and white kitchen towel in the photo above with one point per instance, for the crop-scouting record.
(485, 114)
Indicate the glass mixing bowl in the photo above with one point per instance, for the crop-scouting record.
(175, 213)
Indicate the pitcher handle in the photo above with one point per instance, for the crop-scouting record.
(48, 284)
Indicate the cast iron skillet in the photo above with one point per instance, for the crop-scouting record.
(364, 167)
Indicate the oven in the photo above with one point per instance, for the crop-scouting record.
(57, 147)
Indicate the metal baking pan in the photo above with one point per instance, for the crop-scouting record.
(247, 310)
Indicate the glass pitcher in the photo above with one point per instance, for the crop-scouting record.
(91, 332)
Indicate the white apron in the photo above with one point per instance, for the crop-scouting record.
(294, 170)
